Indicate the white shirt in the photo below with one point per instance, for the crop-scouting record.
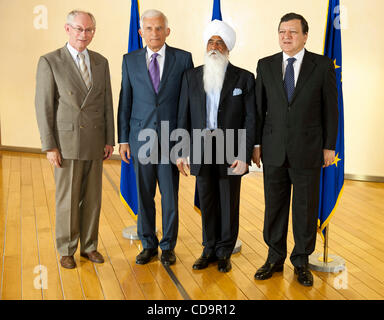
(160, 58)
(212, 105)
(74, 53)
(296, 65)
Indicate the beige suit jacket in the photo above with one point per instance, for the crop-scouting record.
(72, 119)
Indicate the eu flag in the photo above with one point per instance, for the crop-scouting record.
(216, 12)
(128, 191)
(332, 177)
(216, 15)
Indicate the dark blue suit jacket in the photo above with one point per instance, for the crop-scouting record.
(139, 106)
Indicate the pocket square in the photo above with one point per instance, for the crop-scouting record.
(237, 92)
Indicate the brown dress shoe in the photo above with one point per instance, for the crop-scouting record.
(93, 256)
(68, 262)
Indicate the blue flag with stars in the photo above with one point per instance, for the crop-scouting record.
(332, 177)
(128, 190)
(216, 15)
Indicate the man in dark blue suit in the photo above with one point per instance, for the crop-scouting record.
(151, 80)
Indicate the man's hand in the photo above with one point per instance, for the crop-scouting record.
(256, 155)
(125, 152)
(239, 167)
(108, 150)
(54, 157)
(182, 163)
(329, 157)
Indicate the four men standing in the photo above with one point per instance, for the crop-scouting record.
(288, 119)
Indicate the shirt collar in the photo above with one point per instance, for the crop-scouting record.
(74, 52)
(298, 56)
(161, 52)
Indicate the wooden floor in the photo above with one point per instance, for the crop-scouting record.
(30, 268)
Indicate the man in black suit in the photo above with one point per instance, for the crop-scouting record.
(297, 102)
(218, 99)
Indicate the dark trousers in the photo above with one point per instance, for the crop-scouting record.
(219, 203)
(147, 177)
(278, 182)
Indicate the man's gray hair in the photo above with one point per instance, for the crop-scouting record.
(71, 16)
(151, 13)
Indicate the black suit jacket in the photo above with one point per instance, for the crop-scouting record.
(237, 110)
(299, 130)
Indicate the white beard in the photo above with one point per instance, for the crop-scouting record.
(214, 71)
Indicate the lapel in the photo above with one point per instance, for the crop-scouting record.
(168, 66)
(97, 75)
(277, 71)
(305, 71)
(73, 71)
(96, 70)
(230, 79)
(201, 95)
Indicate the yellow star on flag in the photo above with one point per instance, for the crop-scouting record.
(337, 159)
(336, 66)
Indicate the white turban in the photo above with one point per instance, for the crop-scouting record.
(221, 29)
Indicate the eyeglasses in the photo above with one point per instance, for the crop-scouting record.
(81, 30)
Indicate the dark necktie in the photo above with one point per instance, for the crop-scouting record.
(154, 72)
(289, 79)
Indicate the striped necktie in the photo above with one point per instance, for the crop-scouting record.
(84, 70)
(154, 72)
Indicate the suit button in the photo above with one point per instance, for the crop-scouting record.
(155, 123)
(289, 109)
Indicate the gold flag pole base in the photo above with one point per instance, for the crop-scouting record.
(326, 262)
(131, 233)
(333, 264)
(237, 247)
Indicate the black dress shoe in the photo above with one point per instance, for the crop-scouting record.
(304, 276)
(146, 255)
(168, 257)
(268, 269)
(204, 261)
(224, 264)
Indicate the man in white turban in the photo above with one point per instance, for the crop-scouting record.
(218, 100)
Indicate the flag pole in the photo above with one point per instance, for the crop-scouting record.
(326, 262)
(332, 178)
(325, 256)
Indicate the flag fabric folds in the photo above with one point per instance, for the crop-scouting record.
(128, 190)
(216, 15)
(332, 177)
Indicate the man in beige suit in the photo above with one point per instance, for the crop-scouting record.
(75, 118)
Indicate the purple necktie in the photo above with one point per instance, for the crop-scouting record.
(154, 72)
